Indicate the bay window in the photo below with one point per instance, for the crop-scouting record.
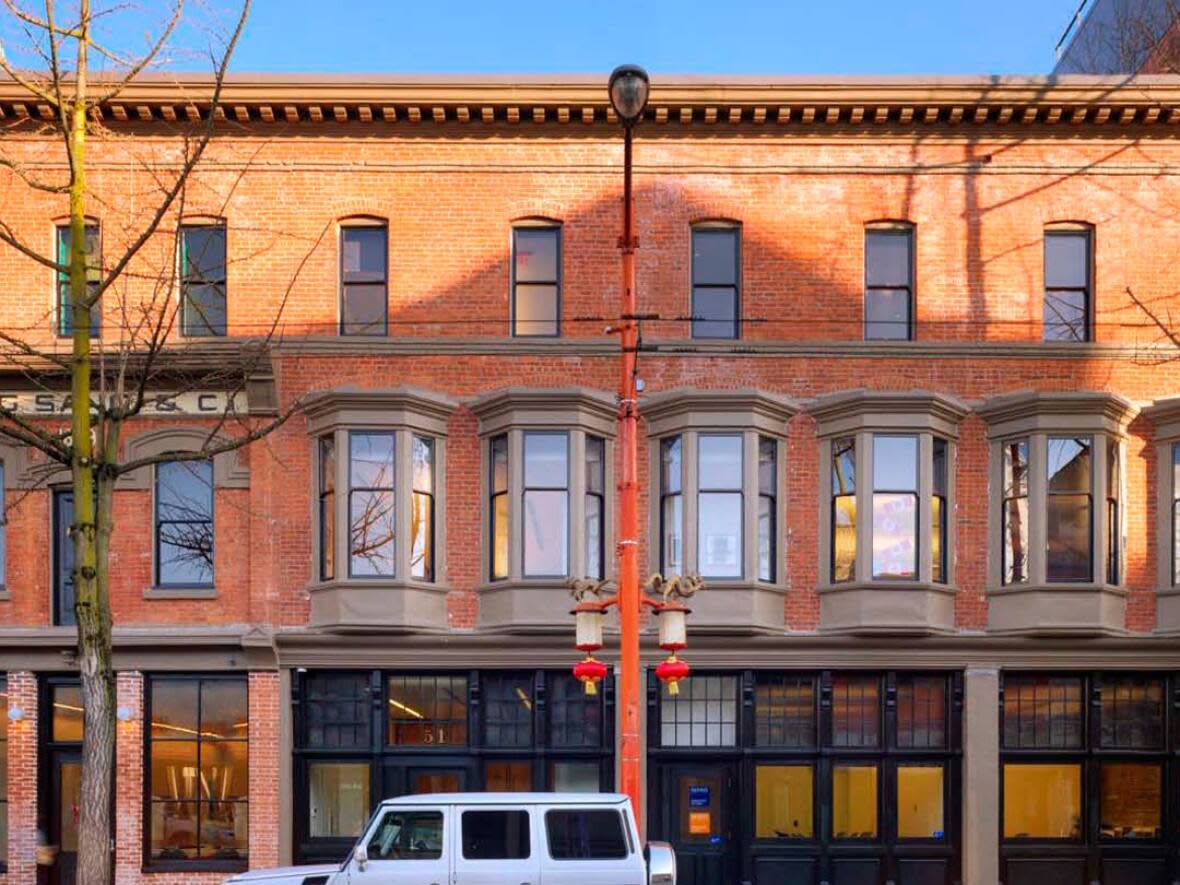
(887, 462)
(717, 511)
(378, 463)
(547, 515)
(1165, 416)
(1057, 466)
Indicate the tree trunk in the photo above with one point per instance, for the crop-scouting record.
(90, 548)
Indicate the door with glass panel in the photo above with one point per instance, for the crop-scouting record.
(700, 809)
(61, 779)
(63, 558)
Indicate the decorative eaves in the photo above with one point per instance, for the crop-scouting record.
(560, 102)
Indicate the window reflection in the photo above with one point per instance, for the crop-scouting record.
(1131, 800)
(1015, 511)
(1068, 519)
(1042, 801)
(843, 509)
(784, 802)
(184, 523)
(338, 794)
(372, 522)
(671, 507)
(536, 261)
(719, 504)
(895, 507)
(545, 516)
(854, 802)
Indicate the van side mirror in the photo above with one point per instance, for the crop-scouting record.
(361, 855)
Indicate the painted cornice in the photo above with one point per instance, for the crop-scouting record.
(676, 101)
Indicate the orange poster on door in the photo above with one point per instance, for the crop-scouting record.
(700, 823)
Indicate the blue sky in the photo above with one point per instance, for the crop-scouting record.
(669, 36)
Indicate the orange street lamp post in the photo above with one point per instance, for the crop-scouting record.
(628, 89)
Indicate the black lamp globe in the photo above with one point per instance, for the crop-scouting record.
(628, 92)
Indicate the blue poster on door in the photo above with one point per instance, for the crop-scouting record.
(698, 797)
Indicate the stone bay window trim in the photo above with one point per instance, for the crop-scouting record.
(716, 279)
(364, 276)
(196, 768)
(718, 459)
(536, 278)
(378, 467)
(887, 532)
(63, 309)
(1164, 415)
(359, 736)
(547, 464)
(1069, 283)
(1086, 768)
(1054, 513)
(889, 281)
(203, 271)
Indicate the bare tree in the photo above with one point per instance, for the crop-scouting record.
(72, 67)
(1125, 37)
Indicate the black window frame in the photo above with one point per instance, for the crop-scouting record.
(187, 329)
(732, 230)
(1085, 232)
(63, 326)
(154, 865)
(343, 282)
(158, 522)
(556, 229)
(559, 708)
(898, 229)
(1092, 751)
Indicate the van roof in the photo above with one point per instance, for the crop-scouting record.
(508, 799)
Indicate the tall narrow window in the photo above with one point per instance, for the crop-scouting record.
(372, 510)
(895, 507)
(938, 515)
(595, 505)
(198, 771)
(843, 509)
(422, 509)
(202, 281)
(767, 496)
(184, 524)
(364, 259)
(327, 496)
(545, 515)
(889, 288)
(1069, 510)
(65, 314)
(671, 507)
(536, 281)
(716, 273)
(1114, 533)
(498, 506)
(1015, 512)
(719, 505)
(1067, 285)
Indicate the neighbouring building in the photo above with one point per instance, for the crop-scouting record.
(901, 412)
(1121, 37)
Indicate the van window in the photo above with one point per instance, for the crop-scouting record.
(408, 835)
(495, 835)
(585, 834)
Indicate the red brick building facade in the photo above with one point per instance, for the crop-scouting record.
(902, 414)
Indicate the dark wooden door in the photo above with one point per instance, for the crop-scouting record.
(700, 814)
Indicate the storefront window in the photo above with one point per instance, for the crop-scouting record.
(575, 777)
(1132, 713)
(428, 710)
(854, 801)
(337, 711)
(339, 799)
(1042, 801)
(198, 770)
(920, 802)
(508, 777)
(921, 712)
(703, 714)
(784, 802)
(1131, 800)
(1043, 712)
(784, 711)
(508, 717)
(856, 711)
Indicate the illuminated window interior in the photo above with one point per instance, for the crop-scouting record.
(919, 802)
(854, 802)
(783, 801)
(1042, 801)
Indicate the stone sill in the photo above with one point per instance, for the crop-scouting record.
(379, 605)
(1091, 609)
(887, 608)
(180, 593)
